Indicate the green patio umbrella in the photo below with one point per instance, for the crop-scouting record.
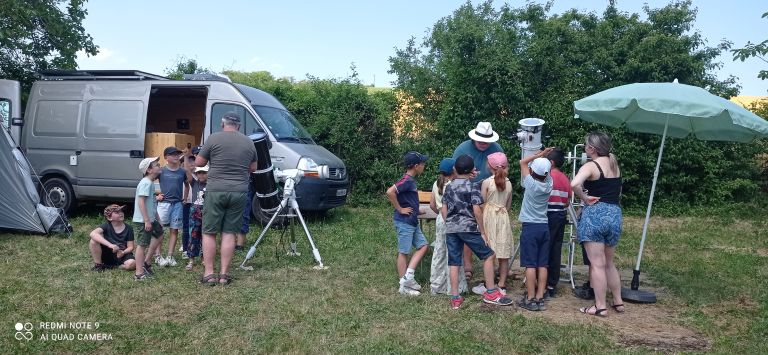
(668, 109)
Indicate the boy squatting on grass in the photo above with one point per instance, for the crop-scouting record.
(404, 197)
(462, 211)
(534, 237)
(145, 218)
(111, 243)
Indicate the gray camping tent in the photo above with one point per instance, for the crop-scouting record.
(20, 207)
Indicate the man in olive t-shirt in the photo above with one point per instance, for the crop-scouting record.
(231, 157)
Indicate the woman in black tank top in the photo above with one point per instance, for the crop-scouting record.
(598, 185)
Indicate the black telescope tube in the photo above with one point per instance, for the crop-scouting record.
(263, 179)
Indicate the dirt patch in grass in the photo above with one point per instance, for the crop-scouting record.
(653, 326)
(749, 251)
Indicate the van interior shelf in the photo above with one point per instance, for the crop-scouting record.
(98, 75)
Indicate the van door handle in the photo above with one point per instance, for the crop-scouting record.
(137, 154)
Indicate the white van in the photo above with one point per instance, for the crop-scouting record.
(84, 132)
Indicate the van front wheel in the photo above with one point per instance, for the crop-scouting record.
(57, 192)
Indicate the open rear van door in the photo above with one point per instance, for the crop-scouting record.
(10, 108)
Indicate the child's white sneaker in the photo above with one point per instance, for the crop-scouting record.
(170, 260)
(160, 261)
(408, 291)
(410, 283)
(479, 289)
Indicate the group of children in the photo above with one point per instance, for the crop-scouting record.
(476, 215)
(179, 200)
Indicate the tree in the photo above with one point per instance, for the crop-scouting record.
(501, 65)
(40, 35)
(756, 50)
(183, 66)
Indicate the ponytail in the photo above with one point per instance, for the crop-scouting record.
(500, 178)
(441, 179)
(614, 163)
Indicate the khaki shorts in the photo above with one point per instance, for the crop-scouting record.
(223, 212)
(143, 237)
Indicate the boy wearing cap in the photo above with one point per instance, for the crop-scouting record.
(145, 217)
(197, 194)
(111, 243)
(439, 280)
(404, 197)
(534, 237)
(463, 216)
(170, 208)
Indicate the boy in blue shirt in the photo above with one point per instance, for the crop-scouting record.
(534, 238)
(170, 208)
(404, 197)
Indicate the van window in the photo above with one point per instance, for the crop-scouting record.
(117, 119)
(250, 126)
(283, 125)
(5, 112)
(57, 119)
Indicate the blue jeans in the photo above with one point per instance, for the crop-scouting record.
(475, 242)
(247, 212)
(409, 236)
(185, 226)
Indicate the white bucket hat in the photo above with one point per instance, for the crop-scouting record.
(483, 133)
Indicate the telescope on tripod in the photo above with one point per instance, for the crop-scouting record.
(264, 183)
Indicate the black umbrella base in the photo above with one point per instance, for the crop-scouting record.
(637, 296)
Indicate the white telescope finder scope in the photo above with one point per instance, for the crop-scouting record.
(529, 135)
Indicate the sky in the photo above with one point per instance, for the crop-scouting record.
(292, 38)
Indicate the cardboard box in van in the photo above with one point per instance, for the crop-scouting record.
(155, 143)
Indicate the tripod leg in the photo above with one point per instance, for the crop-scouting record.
(292, 251)
(252, 251)
(315, 252)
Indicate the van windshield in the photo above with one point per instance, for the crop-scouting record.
(283, 125)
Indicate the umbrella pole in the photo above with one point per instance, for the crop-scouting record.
(634, 294)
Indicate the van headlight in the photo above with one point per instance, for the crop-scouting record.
(310, 168)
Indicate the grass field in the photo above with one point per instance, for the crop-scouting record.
(709, 269)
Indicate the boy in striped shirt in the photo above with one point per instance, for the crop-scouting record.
(559, 199)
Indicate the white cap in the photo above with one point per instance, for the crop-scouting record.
(144, 165)
(541, 166)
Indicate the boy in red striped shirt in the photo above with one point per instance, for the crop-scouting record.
(559, 199)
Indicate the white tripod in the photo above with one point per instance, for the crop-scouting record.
(291, 178)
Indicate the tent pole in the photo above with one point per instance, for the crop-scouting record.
(636, 274)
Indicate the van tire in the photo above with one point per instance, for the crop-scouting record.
(263, 218)
(57, 192)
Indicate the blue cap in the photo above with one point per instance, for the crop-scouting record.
(413, 157)
(446, 166)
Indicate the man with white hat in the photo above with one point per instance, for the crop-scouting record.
(481, 144)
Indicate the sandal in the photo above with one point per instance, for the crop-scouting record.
(598, 312)
(189, 266)
(225, 279)
(617, 306)
(210, 280)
